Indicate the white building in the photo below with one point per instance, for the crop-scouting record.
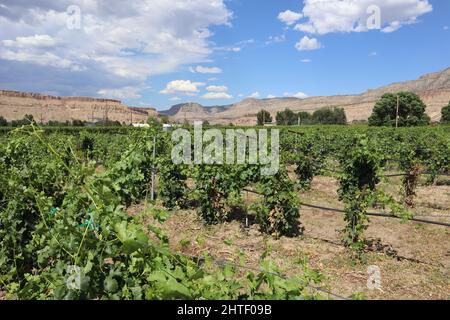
(141, 125)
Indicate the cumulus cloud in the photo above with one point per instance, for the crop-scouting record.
(306, 60)
(33, 41)
(205, 70)
(289, 17)
(299, 95)
(185, 87)
(254, 95)
(271, 96)
(120, 93)
(217, 88)
(217, 95)
(175, 99)
(117, 46)
(308, 44)
(327, 16)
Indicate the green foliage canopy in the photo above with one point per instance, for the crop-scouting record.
(411, 110)
(446, 113)
(264, 117)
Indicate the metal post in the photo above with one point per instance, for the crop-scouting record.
(152, 196)
(398, 106)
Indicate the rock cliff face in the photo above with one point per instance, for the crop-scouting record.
(433, 88)
(15, 105)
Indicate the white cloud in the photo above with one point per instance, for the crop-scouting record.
(213, 79)
(117, 46)
(276, 39)
(236, 47)
(175, 99)
(32, 41)
(121, 93)
(445, 28)
(46, 59)
(271, 96)
(327, 16)
(217, 89)
(182, 86)
(299, 95)
(217, 95)
(245, 42)
(306, 60)
(254, 95)
(289, 17)
(308, 44)
(229, 49)
(205, 70)
(373, 54)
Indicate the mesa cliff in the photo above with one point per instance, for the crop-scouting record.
(15, 105)
(433, 88)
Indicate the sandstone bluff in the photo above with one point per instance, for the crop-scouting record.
(433, 88)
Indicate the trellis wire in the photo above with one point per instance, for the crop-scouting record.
(374, 214)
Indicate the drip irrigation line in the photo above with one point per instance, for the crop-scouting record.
(378, 214)
(373, 214)
(394, 174)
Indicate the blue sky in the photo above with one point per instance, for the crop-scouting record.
(159, 53)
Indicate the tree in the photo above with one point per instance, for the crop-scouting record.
(411, 110)
(446, 113)
(77, 123)
(329, 116)
(304, 117)
(153, 121)
(264, 117)
(26, 120)
(286, 118)
(165, 119)
(3, 122)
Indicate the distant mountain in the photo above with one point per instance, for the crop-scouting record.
(15, 105)
(433, 88)
(192, 109)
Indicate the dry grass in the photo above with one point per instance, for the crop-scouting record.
(420, 271)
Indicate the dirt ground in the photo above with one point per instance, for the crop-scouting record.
(414, 260)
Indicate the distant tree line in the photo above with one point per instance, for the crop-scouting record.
(289, 117)
(29, 119)
(403, 109)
